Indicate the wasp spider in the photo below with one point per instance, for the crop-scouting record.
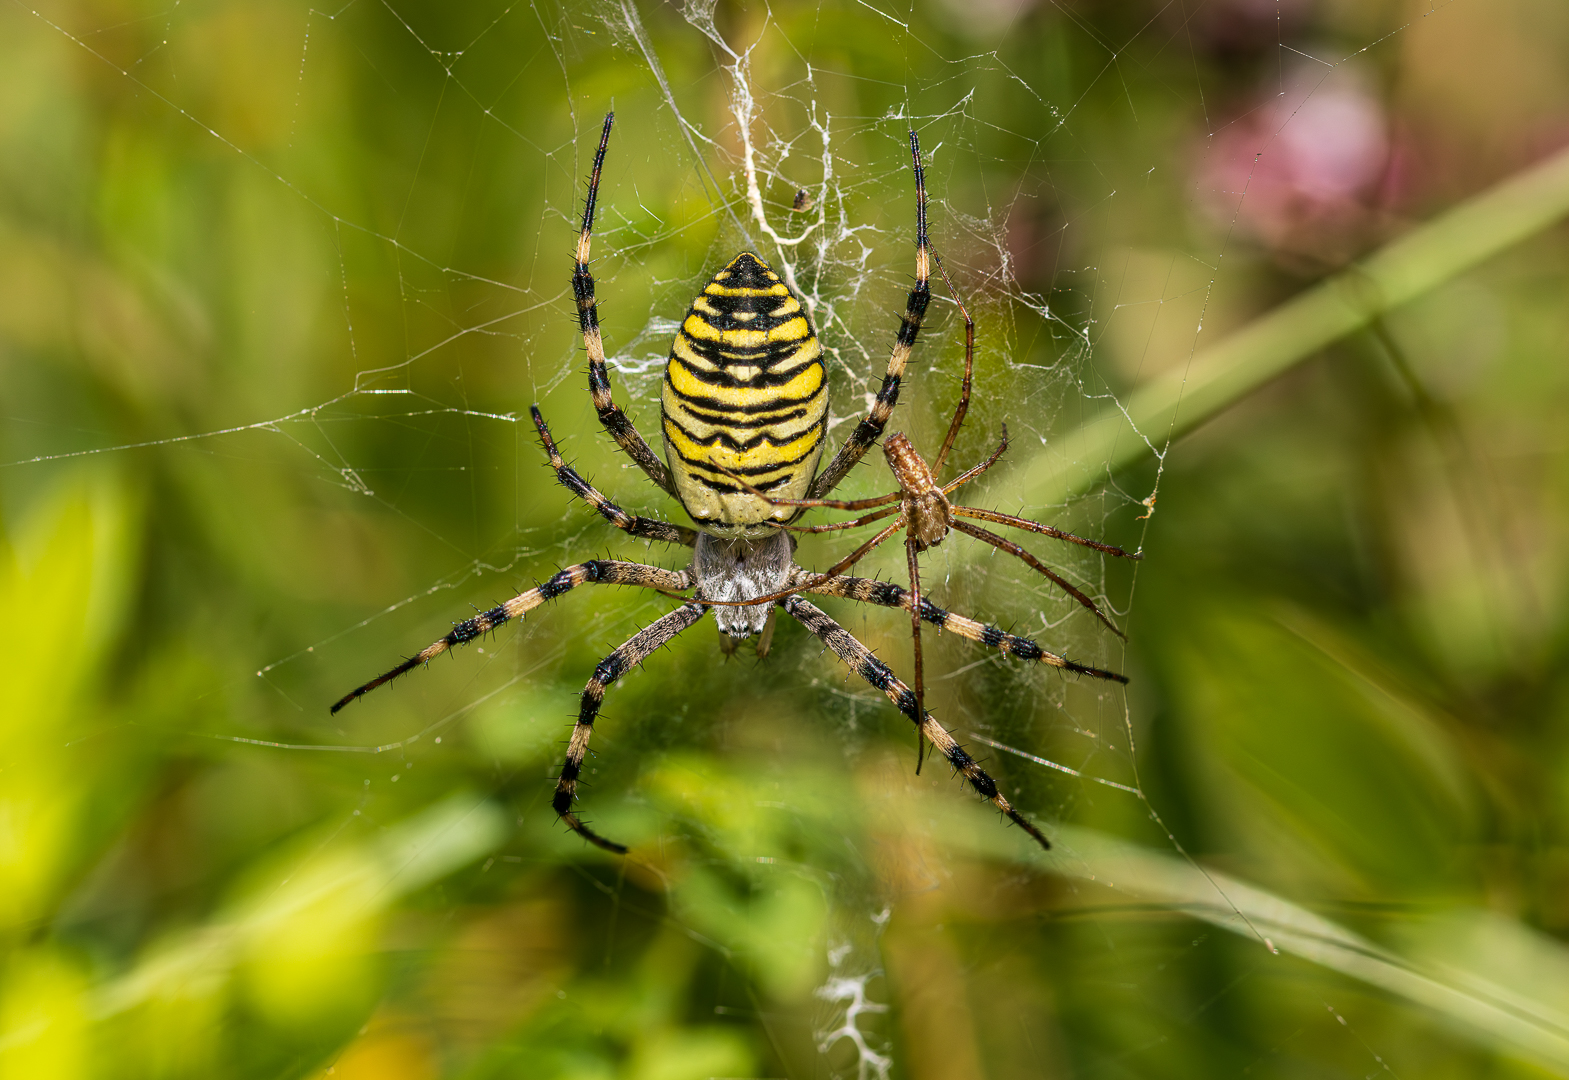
(745, 411)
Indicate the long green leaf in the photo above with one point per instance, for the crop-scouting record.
(1188, 395)
(1517, 1007)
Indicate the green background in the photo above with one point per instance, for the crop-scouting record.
(277, 285)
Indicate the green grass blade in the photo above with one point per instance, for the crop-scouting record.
(1517, 1008)
(1187, 395)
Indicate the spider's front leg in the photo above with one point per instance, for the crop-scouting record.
(611, 415)
(878, 674)
(611, 668)
(871, 426)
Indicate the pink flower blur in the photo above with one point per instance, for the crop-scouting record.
(1298, 171)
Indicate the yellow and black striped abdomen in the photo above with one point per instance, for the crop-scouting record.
(744, 389)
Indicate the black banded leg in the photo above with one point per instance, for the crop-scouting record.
(595, 572)
(886, 593)
(877, 673)
(573, 481)
(969, 371)
(610, 414)
(871, 427)
(911, 553)
(611, 668)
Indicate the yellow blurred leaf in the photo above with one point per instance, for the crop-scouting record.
(43, 1019)
(64, 581)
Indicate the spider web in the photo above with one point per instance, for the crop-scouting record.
(748, 128)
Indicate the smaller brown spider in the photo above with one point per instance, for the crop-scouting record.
(922, 509)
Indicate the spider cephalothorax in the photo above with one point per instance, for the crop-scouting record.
(744, 416)
(927, 511)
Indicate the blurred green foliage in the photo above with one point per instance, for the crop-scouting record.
(277, 285)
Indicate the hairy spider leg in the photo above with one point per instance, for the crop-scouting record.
(911, 554)
(636, 649)
(572, 480)
(964, 386)
(874, 671)
(1044, 530)
(970, 530)
(611, 415)
(887, 594)
(970, 474)
(871, 426)
(853, 523)
(593, 572)
(1035, 564)
(915, 601)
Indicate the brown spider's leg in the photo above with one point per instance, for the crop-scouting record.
(886, 593)
(573, 481)
(1045, 530)
(871, 427)
(633, 652)
(910, 553)
(610, 414)
(838, 504)
(1014, 549)
(970, 474)
(830, 504)
(594, 572)
(836, 526)
(811, 580)
(877, 673)
(969, 368)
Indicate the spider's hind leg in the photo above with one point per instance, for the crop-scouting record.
(636, 649)
(877, 673)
